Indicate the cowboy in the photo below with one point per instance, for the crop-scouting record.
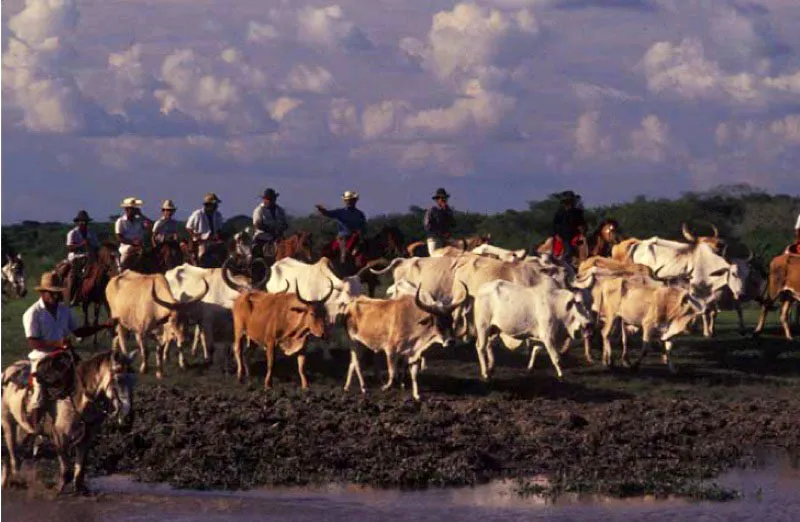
(795, 248)
(166, 228)
(569, 225)
(352, 225)
(130, 229)
(81, 244)
(48, 323)
(439, 221)
(269, 224)
(205, 226)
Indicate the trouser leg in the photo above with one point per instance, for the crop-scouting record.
(433, 244)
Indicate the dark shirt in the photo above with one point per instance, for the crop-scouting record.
(350, 220)
(439, 222)
(568, 223)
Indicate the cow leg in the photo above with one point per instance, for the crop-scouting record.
(737, 305)
(707, 323)
(587, 349)
(414, 370)
(666, 358)
(301, 364)
(553, 353)
(63, 467)
(481, 346)
(355, 367)
(160, 351)
(119, 340)
(645, 345)
(624, 338)
(785, 308)
(204, 341)
(81, 452)
(237, 354)
(535, 348)
(608, 328)
(391, 366)
(762, 319)
(269, 348)
(142, 353)
(196, 340)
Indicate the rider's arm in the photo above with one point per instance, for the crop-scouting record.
(257, 215)
(191, 224)
(46, 346)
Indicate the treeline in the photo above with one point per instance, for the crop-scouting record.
(744, 216)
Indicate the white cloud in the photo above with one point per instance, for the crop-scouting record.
(314, 79)
(651, 141)
(590, 139)
(329, 27)
(343, 118)
(384, 118)
(260, 32)
(282, 106)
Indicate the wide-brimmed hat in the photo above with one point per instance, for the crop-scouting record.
(350, 195)
(211, 198)
(131, 203)
(50, 282)
(168, 204)
(441, 193)
(568, 196)
(270, 193)
(82, 216)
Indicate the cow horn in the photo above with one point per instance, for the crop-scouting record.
(390, 267)
(449, 309)
(688, 235)
(369, 266)
(751, 255)
(316, 301)
(226, 278)
(177, 305)
(716, 231)
(422, 306)
(286, 289)
(267, 273)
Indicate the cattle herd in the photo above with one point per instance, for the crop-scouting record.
(487, 296)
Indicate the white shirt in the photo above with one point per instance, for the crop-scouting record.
(130, 230)
(198, 223)
(74, 237)
(165, 227)
(40, 324)
(797, 225)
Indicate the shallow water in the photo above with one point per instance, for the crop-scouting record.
(771, 493)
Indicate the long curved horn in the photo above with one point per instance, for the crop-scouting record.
(750, 256)
(688, 235)
(369, 266)
(422, 306)
(267, 273)
(177, 305)
(389, 268)
(716, 231)
(314, 302)
(452, 306)
(227, 280)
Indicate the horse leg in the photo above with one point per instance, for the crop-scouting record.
(10, 435)
(79, 477)
(63, 466)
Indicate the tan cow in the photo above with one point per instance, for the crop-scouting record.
(144, 305)
(401, 327)
(660, 312)
(784, 286)
(283, 320)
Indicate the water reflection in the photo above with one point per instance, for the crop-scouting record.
(769, 493)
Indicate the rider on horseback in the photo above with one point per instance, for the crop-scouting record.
(129, 230)
(81, 244)
(269, 225)
(352, 226)
(166, 228)
(204, 227)
(439, 221)
(48, 323)
(569, 225)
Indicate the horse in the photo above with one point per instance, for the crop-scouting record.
(101, 388)
(387, 244)
(158, 260)
(14, 275)
(420, 248)
(99, 269)
(604, 238)
(556, 248)
(297, 246)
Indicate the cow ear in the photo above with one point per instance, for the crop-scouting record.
(570, 304)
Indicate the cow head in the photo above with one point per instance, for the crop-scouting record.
(312, 317)
(181, 314)
(440, 317)
(688, 307)
(577, 319)
(716, 244)
(14, 273)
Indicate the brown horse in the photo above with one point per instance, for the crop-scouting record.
(297, 246)
(101, 388)
(420, 248)
(604, 238)
(91, 289)
(161, 258)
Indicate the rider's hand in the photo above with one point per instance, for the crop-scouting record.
(320, 208)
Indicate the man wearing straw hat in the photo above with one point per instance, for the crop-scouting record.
(48, 323)
(81, 244)
(439, 221)
(166, 228)
(352, 225)
(129, 230)
(204, 227)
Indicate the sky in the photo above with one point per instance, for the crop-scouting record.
(499, 101)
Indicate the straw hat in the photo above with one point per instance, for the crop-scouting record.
(168, 204)
(211, 198)
(131, 203)
(50, 282)
(349, 195)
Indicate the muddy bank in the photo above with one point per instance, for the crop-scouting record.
(220, 440)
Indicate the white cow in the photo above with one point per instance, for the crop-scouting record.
(545, 313)
(500, 253)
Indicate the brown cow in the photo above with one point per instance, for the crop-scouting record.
(399, 327)
(784, 286)
(285, 320)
